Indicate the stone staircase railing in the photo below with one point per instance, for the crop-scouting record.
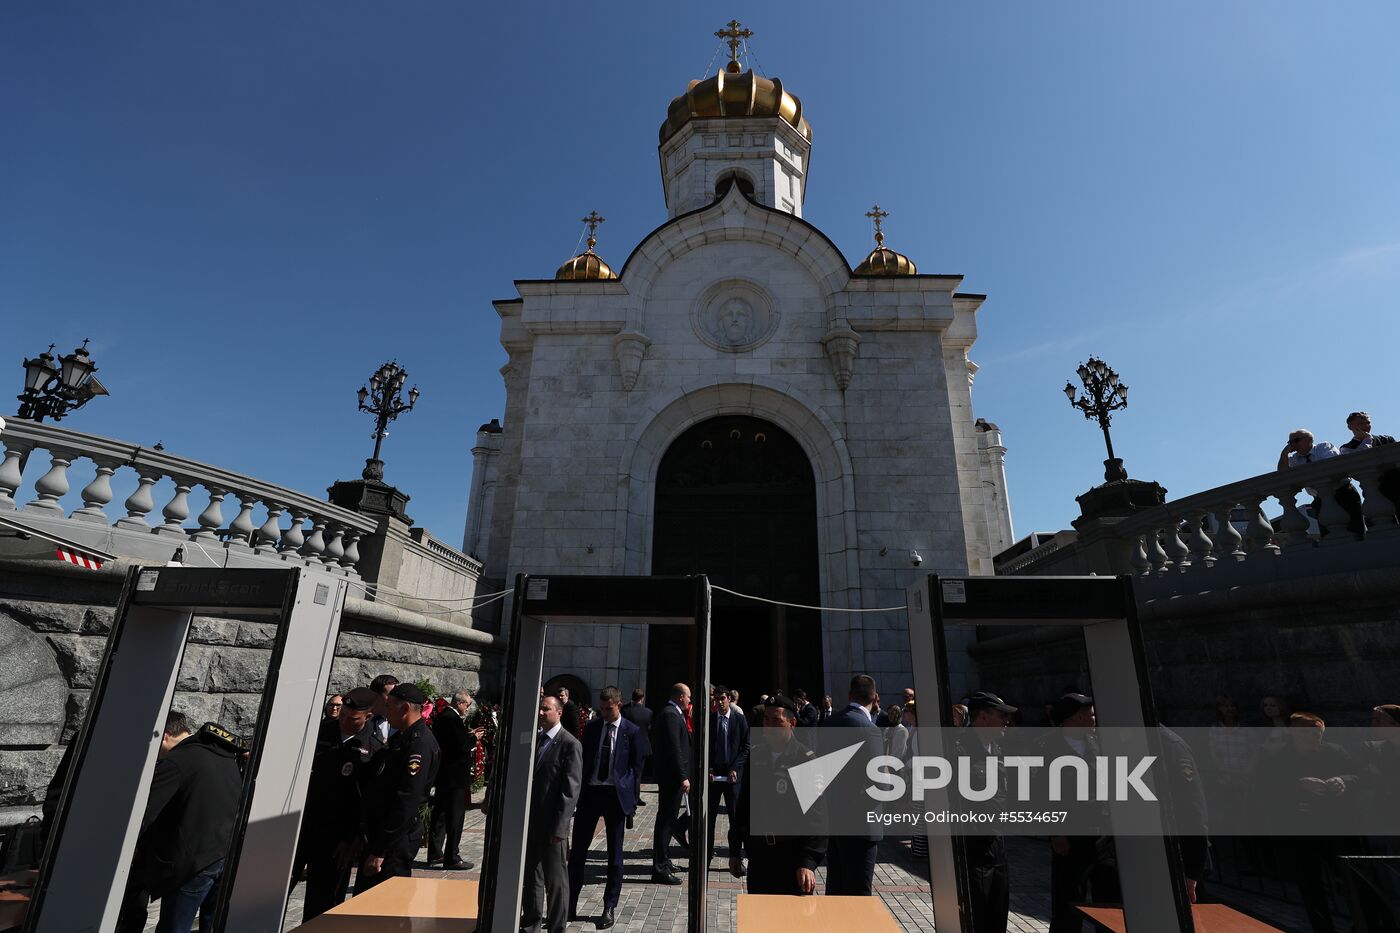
(288, 524)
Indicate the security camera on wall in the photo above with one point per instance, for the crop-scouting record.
(915, 558)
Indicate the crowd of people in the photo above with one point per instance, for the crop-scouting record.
(590, 767)
(393, 770)
(383, 753)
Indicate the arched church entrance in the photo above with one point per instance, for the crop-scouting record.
(736, 499)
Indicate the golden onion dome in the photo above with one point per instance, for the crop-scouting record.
(735, 93)
(587, 266)
(883, 260)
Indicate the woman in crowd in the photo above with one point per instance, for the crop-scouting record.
(332, 708)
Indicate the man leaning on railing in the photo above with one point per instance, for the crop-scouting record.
(1302, 450)
(1362, 439)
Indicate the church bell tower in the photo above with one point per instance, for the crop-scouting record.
(735, 127)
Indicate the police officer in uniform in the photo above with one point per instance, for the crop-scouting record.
(989, 886)
(780, 864)
(402, 775)
(340, 770)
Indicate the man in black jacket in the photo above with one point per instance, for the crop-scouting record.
(989, 885)
(345, 749)
(573, 724)
(189, 819)
(785, 864)
(457, 741)
(670, 744)
(403, 772)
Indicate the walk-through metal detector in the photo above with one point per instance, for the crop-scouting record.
(84, 872)
(1154, 895)
(541, 601)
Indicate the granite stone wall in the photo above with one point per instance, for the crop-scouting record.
(51, 649)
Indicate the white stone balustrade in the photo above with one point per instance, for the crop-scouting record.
(332, 538)
(1223, 538)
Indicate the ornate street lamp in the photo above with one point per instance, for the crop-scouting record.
(1103, 395)
(383, 399)
(53, 389)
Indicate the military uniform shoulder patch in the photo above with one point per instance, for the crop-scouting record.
(415, 764)
(1188, 771)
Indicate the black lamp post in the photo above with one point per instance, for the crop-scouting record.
(383, 400)
(53, 389)
(1103, 395)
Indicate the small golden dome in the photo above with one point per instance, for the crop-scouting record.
(735, 93)
(587, 266)
(885, 261)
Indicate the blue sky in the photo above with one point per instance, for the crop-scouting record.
(249, 206)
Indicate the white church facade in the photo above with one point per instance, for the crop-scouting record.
(737, 400)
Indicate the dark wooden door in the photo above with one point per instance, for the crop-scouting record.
(736, 500)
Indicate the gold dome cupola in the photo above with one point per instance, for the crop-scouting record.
(587, 265)
(735, 126)
(883, 260)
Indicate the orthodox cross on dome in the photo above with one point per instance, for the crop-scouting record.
(593, 220)
(734, 34)
(878, 216)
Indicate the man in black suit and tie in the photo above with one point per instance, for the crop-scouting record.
(670, 745)
(729, 756)
(569, 717)
(457, 742)
(850, 867)
(553, 797)
(612, 762)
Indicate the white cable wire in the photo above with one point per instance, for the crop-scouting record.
(706, 73)
(388, 597)
(776, 602)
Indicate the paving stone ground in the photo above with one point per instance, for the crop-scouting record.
(900, 882)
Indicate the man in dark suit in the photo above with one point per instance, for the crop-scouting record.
(569, 717)
(553, 797)
(729, 756)
(637, 713)
(807, 714)
(612, 763)
(670, 744)
(850, 866)
(457, 742)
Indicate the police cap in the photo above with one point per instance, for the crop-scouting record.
(409, 694)
(784, 702)
(985, 700)
(1069, 704)
(361, 698)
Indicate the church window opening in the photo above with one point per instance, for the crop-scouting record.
(728, 180)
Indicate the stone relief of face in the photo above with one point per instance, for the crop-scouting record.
(734, 321)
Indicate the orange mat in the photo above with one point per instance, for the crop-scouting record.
(779, 913)
(1209, 918)
(423, 905)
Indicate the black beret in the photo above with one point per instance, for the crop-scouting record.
(409, 694)
(361, 698)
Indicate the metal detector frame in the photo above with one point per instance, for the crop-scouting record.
(1149, 868)
(104, 794)
(540, 601)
